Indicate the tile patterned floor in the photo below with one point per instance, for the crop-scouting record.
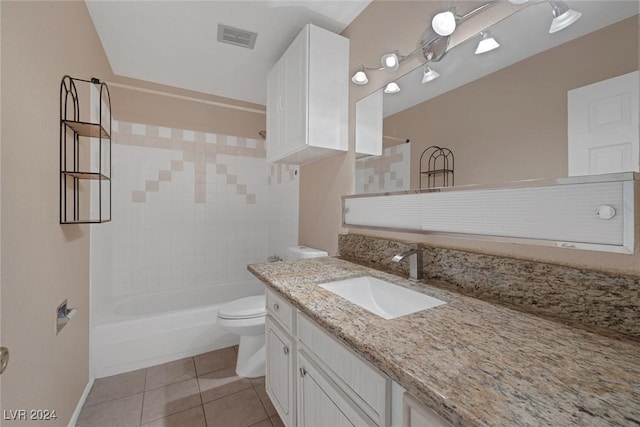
(200, 391)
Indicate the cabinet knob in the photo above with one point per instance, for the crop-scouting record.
(303, 372)
(285, 350)
(276, 307)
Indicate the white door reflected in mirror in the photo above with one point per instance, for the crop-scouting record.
(603, 127)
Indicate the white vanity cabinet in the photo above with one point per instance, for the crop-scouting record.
(365, 386)
(307, 98)
(314, 380)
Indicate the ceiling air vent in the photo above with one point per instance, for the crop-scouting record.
(236, 36)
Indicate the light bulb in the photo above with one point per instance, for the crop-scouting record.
(429, 74)
(562, 16)
(392, 88)
(487, 44)
(390, 61)
(444, 23)
(360, 77)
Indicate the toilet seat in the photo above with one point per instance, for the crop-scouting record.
(244, 308)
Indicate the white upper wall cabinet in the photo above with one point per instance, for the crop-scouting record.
(369, 125)
(308, 98)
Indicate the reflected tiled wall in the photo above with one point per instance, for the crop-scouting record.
(189, 208)
(389, 172)
(283, 185)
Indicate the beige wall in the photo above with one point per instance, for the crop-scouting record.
(42, 262)
(322, 183)
(495, 136)
(143, 102)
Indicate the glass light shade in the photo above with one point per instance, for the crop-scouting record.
(360, 77)
(487, 44)
(390, 61)
(562, 17)
(392, 88)
(429, 75)
(444, 23)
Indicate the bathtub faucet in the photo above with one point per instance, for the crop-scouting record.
(415, 262)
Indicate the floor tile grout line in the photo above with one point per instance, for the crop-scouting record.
(174, 382)
(111, 400)
(144, 394)
(266, 410)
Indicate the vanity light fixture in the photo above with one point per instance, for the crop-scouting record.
(429, 74)
(444, 23)
(392, 87)
(390, 61)
(360, 77)
(487, 43)
(563, 16)
(434, 47)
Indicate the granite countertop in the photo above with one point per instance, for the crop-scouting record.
(475, 363)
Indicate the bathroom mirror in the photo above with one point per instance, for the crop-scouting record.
(503, 113)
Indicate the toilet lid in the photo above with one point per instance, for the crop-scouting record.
(244, 308)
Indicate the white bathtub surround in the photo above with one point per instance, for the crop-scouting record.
(190, 211)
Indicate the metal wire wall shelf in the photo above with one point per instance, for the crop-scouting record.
(436, 167)
(85, 189)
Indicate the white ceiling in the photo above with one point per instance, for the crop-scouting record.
(175, 42)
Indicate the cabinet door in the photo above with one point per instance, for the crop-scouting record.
(328, 90)
(295, 75)
(416, 415)
(275, 112)
(321, 403)
(279, 371)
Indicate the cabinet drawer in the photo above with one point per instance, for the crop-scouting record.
(281, 310)
(366, 385)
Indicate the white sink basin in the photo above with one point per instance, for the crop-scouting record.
(382, 298)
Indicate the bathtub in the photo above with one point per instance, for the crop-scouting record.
(146, 330)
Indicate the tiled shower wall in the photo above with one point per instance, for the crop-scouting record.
(189, 209)
(283, 184)
(388, 172)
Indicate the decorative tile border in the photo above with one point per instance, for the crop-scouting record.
(594, 299)
(199, 148)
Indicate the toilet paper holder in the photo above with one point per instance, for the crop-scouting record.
(63, 315)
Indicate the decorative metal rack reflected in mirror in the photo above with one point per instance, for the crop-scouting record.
(85, 152)
(436, 167)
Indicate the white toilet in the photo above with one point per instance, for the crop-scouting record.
(245, 317)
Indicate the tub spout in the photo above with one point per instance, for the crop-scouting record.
(415, 262)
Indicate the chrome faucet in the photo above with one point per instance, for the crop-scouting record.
(415, 262)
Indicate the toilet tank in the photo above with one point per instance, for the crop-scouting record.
(302, 252)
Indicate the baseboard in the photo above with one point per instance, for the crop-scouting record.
(83, 398)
